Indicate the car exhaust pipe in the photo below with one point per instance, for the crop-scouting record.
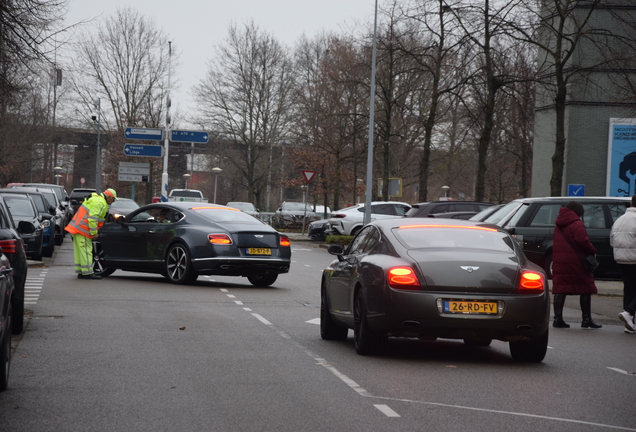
(525, 328)
(227, 267)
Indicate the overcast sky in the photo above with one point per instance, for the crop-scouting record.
(195, 26)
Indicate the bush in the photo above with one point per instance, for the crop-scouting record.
(345, 240)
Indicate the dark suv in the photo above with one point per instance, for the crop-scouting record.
(531, 221)
(11, 244)
(436, 207)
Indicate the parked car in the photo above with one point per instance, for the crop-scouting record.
(120, 207)
(452, 280)
(56, 208)
(12, 247)
(183, 240)
(48, 242)
(317, 230)
(435, 207)
(7, 287)
(348, 221)
(78, 195)
(531, 222)
(62, 198)
(247, 207)
(22, 209)
(292, 213)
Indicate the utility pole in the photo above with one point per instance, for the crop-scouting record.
(98, 158)
(166, 142)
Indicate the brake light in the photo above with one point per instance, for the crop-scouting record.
(402, 278)
(284, 241)
(9, 246)
(220, 239)
(531, 282)
(338, 216)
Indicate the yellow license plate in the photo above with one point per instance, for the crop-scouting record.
(470, 307)
(259, 251)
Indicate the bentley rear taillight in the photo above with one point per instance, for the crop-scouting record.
(402, 278)
(531, 282)
(220, 239)
(284, 241)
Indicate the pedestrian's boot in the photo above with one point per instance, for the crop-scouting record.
(586, 309)
(559, 301)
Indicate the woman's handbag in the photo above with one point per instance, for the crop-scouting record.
(589, 262)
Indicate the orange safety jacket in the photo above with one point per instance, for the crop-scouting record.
(90, 217)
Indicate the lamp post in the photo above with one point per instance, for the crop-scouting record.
(216, 172)
(186, 176)
(57, 171)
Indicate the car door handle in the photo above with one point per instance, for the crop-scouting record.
(151, 232)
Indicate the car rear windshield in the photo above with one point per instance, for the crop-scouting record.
(186, 194)
(221, 215)
(435, 236)
(242, 206)
(19, 206)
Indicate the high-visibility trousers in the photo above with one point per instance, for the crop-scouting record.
(83, 251)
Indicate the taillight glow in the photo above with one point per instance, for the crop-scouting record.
(220, 239)
(9, 246)
(402, 278)
(284, 241)
(531, 282)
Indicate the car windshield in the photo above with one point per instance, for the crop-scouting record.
(19, 207)
(222, 215)
(124, 204)
(293, 206)
(500, 214)
(50, 198)
(242, 206)
(466, 237)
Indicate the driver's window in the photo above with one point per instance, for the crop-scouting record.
(144, 216)
(357, 245)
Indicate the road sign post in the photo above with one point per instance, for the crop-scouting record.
(308, 174)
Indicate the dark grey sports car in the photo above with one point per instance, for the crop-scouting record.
(430, 279)
(182, 240)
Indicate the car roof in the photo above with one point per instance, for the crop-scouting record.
(450, 202)
(572, 198)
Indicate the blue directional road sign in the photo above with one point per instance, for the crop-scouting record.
(189, 136)
(144, 134)
(143, 150)
(576, 190)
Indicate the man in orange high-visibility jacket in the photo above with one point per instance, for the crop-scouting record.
(88, 219)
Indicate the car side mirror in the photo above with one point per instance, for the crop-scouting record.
(120, 220)
(26, 227)
(336, 249)
(52, 210)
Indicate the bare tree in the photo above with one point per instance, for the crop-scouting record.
(246, 98)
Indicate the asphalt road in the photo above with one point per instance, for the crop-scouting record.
(133, 352)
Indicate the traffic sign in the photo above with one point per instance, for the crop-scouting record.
(189, 136)
(309, 175)
(576, 190)
(143, 150)
(134, 168)
(132, 177)
(144, 134)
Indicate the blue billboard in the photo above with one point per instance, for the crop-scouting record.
(621, 160)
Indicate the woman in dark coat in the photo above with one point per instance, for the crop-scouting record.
(569, 277)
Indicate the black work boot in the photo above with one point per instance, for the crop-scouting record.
(586, 310)
(559, 301)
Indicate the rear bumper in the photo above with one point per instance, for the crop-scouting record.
(239, 266)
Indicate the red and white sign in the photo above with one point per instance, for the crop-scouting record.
(309, 175)
(82, 180)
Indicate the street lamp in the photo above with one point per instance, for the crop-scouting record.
(57, 171)
(186, 176)
(216, 172)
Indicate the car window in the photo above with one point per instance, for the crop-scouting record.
(594, 216)
(39, 203)
(617, 210)
(373, 239)
(546, 215)
(461, 237)
(516, 217)
(464, 207)
(20, 207)
(401, 210)
(357, 245)
(481, 207)
(142, 216)
(385, 209)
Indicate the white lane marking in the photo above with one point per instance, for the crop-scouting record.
(224, 290)
(238, 302)
(261, 319)
(33, 288)
(624, 372)
(231, 296)
(307, 265)
(247, 309)
(314, 321)
(348, 381)
(295, 250)
(384, 409)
